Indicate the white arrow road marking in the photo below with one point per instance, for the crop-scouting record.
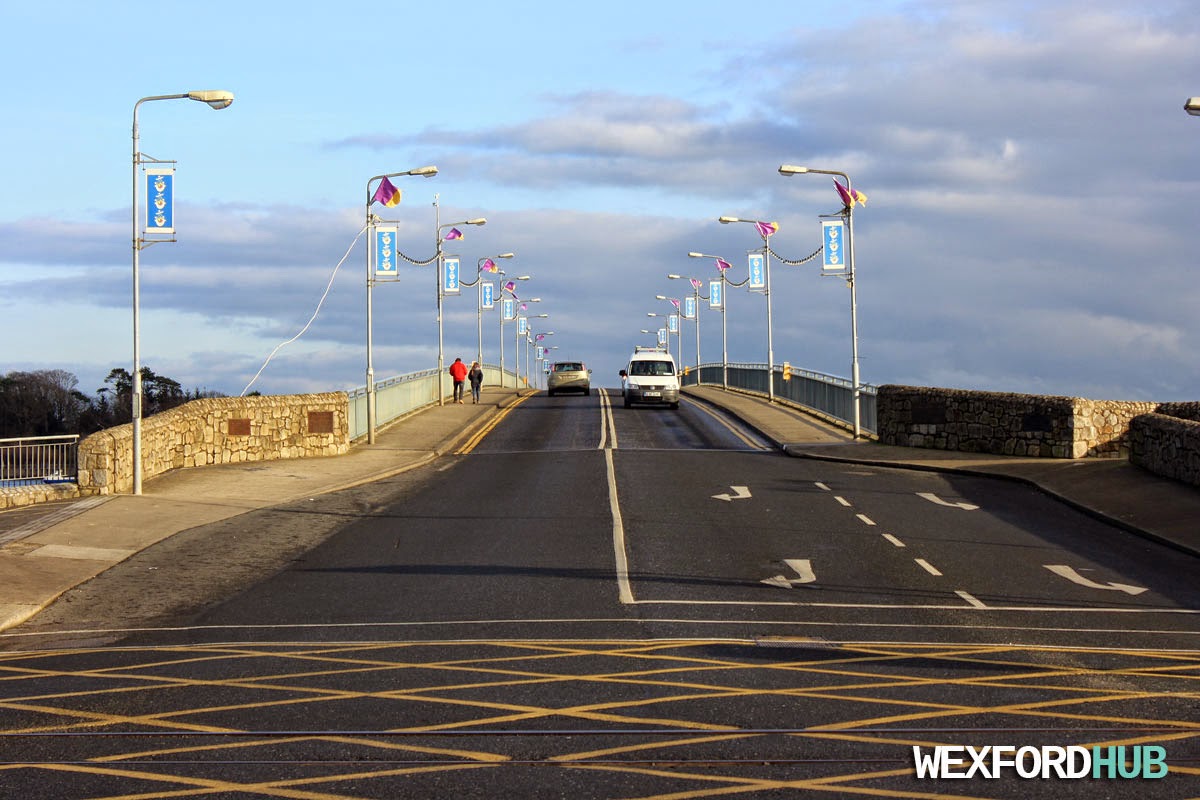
(803, 568)
(1070, 574)
(740, 493)
(933, 498)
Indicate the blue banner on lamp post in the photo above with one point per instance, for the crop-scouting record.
(160, 200)
(386, 265)
(715, 296)
(758, 272)
(487, 295)
(689, 307)
(833, 241)
(508, 309)
(673, 323)
(450, 265)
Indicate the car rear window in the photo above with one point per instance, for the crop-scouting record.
(568, 366)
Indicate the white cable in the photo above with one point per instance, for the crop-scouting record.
(329, 286)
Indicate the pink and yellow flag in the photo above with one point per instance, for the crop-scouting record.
(453, 233)
(766, 229)
(387, 194)
(723, 265)
(849, 195)
(489, 266)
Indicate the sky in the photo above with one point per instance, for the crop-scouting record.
(1032, 180)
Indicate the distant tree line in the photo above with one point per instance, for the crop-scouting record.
(48, 402)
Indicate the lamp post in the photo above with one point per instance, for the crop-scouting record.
(517, 342)
(788, 170)
(438, 279)
(724, 299)
(766, 293)
(678, 305)
(478, 284)
(514, 300)
(530, 341)
(666, 327)
(425, 172)
(697, 297)
(217, 99)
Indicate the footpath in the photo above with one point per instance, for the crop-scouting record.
(74, 542)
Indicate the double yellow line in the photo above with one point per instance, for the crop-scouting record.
(475, 439)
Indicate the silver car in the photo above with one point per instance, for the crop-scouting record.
(569, 376)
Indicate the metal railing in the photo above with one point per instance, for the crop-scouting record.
(38, 459)
(825, 394)
(404, 394)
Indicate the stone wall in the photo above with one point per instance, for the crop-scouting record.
(221, 430)
(1168, 442)
(1005, 424)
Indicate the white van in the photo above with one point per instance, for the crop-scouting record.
(651, 377)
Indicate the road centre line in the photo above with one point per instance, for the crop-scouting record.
(865, 519)
(624, 589)
(842, 500)
(894, 540)
(822, 487)
(606, 421)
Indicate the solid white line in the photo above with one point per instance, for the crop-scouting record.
(925, 565)
(894, 540)
(865, 519)
(492, 623)
(625, 592)
(971, 599)
(842, 500)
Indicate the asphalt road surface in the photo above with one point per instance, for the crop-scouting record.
(593, 601)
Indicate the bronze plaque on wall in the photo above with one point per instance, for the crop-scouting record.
(320, 422)
(239, 427)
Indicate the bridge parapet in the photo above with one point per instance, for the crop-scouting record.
(1000, 423)
(220, 430)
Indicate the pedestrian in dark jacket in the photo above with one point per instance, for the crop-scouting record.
(475, 376)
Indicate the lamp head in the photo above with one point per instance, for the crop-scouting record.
(216, 98)
(1192, 106)
(696, 255)
(426, 172)
(727, 220)
(477, 221)
(506, 255)
(791, 169)
(674, 277)
(660, 297)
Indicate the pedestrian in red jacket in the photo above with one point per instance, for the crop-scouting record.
(458, 371)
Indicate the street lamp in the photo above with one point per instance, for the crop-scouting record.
(788, 170)
(762, 228)
(478, 284)
(424, 172)
(697, 297)
(215, 98)
(678, 315)
(722, 266)
(517, 342)
(531, 339)
(666, 326)
(438, 280)
(504, 289)
(1192, 106)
